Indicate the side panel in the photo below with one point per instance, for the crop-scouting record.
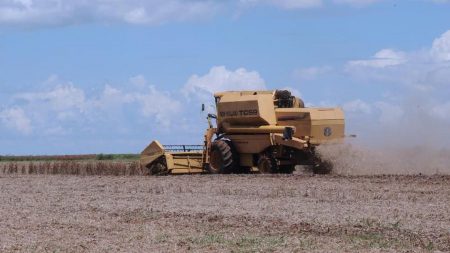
(301, 122)
(246, 160)
(318, 124)
(249, 110)
(327, 131)
(327, 125)
(182, 163)
(250, 144)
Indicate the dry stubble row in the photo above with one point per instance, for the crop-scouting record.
(74, 168)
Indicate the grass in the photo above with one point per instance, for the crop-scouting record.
(240, 243)
(117, 157)
(371, 240)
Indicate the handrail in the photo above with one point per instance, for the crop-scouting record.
(183, 148)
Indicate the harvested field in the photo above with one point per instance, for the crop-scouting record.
(241, 213)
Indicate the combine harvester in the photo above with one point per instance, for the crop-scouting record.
(257, 131)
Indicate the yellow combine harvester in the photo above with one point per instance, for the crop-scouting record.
(257, 131)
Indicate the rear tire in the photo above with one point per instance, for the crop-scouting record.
(322, 167)
(267, 165)
(287, 169)
(223, 159)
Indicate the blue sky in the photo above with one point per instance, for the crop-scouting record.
(109, 76)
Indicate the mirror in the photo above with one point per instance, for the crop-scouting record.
(203, 107)
(288, 133)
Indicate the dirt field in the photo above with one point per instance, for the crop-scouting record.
(239, 213)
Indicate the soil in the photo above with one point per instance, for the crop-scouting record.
(224, 213)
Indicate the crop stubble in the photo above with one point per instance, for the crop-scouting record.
(224, 213)
(73, 167)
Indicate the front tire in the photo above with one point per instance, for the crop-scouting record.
(223, 159)
(159, 167)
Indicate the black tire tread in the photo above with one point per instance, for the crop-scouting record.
(159, 167)
(229, 159)
(286, 169)
(272, 161)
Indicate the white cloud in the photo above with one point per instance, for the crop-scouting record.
(357, 3)
(63, 101)
(62, 97)
(61, 12)
(423, 70)
(64, 106)
(16, 118)
(112, 98)
(163, 106)
(148, 100)
(417, 85)
(357, 106)
(151, 103)
(139, 81)
(441, 47)
(220, 78)
(383, 58)
(136, 12)
(286, 4)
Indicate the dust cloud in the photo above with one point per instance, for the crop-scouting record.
(354, 159)
(412, 141)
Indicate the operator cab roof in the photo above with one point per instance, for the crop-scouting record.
(244, 93)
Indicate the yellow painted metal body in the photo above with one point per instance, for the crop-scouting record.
(318, 125)
(177, 162)
(255, 121)
(255, 112)
(152, 152)
(185, 162)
